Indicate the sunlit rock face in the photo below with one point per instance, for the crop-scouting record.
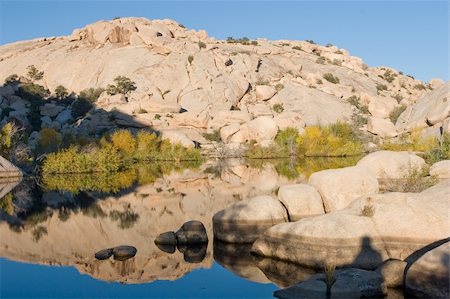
(70, 229)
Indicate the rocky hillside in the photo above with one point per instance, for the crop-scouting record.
(188, 83)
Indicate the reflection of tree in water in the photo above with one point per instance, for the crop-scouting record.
(38, 232)
(6, 204)
(126, 218)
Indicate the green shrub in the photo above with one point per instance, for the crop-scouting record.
(124, 141)
(381, 87)
(34, 74)
(61, 92)
(123, 85)
(367, 211)
(334, 140)
(286, 141)
(420, 87)
(355, 101)
(279, 86)
(49, 140)
(190, 59)
(415, 180)
(398, 97)
(389, 76)
(6, 204)
(395, 114)
(278, 108)
(441, 150)
(91, 94)
(201, 45)
(214, 136)
(32, 91)
(331, 78)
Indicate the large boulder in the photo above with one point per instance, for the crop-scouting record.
(177, 137)
(301, 200)
(339, 187)
(441, 169)
(371, 230)
(51, 110)
(259, 129)
(381, 127)
(391, 164)
(192, 232)
(428, 276)
(381, 107)
(264, 92)
(246, 220)
(347, 283)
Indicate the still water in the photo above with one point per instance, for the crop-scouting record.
(51, 227)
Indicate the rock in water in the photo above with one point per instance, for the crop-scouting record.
(167, 238)
(104, 254)
(192, 232)
(124, 252)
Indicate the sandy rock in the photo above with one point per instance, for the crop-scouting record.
(227, 132)
(159, 106)
(391, 164)
(223, 118)
(441, 169)
(261, 128)
(286, 120)
(428, 277)
(244, 221)
(382, 107)
(339, 187)
(265, 92)
(300, 200)
(392, 272)
(177, 137)
(381, 127)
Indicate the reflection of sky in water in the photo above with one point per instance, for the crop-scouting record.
(21, 280)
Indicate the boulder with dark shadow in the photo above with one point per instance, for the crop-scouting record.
(167, 238)
(192, 232)
(104, 254)
(124, 252)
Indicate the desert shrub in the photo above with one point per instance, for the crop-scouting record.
(297, 48)
(6, 139)
(355, 101)
(32, 91)
(367, 211)
(381, 87)
(91, 94)
(279, 86)
(118, 152)
(333, 141)
(6, 204)
(190, 59)
(310, 41)
(244, 41)
(286, 141)
(331, 78)
(214, 136)
(123, 85)
(278, 108)
(141, 111)
(412, 142)
(34, 74)
(124, 141)
(420, 87)
(201, 45)
(318, 81)
(80, 107)
(395, 114)
(49, 140)
(389, 76)
(11, 78)
(398, 97)
(440, 152)
(61, 92)
(415, 180)
(337, 62)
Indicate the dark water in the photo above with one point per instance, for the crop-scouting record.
(51, 227)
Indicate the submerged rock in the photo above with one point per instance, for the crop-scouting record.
(104, 254)
(124, 252)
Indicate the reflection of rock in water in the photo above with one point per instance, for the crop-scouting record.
(281, 273)
(167, 248)
(193, 253)
(80, 230)
(237, 259)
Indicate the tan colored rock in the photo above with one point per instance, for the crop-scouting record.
(246, 220)
(177, 137)
(441, 169)
(381, 127)
(261, 128)
(286, 120)
(339, 187)
(382, 107)
(228, 131)
(428, 277)
(7, 169)
(300, 200)
(264, 92)
(391, 164)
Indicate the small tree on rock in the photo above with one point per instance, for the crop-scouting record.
(122, 85)
(34, 74)
(61, 92)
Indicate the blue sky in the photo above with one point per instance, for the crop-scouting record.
(411, 36)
